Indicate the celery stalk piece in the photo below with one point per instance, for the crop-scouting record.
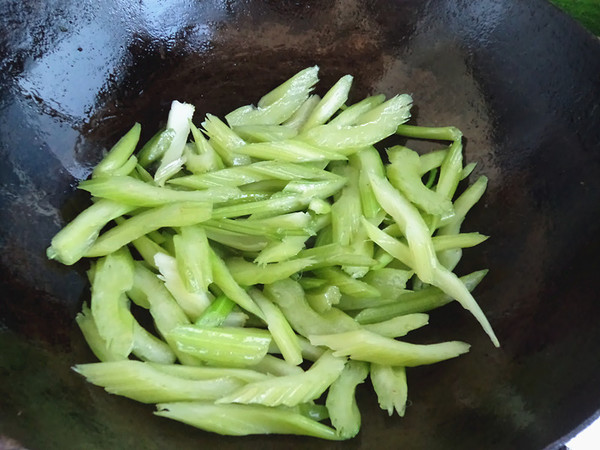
(272, 365)
(290, 390)
(279, 251)
(347, 284)
(462, 205)
(290, 171)
(225, 141)
(389, 282)
(312, 411)
(341, 402)
(289, 296)
(97, 344)
(290, 150)
(128, 190)
(467, 170)
(350, 115)
(404, 174)
(426, 299)
(192, 303)
(120, 154)
(216, 313)
(179, 119)
(142, 382)
(247, 273)
(156, 147)
(365, 162)
(433, 133)
(346, 210)
(71, 243)
(236, 240)
(330, 103)
(278, 105)
(147, 249)
(297, 119)
(230, 176)
(392, 246)
(291, 224)
(148, 347)
(225, 281)
(323, 298)
(451, 171)
(398, 326)
(443, 242)
(432, 160)
(373, 126)
(229, 347)
(142, 174)
(126, 169)
(264, 133)
(275, 205)
(363, 345)
(193, 260)
(242, 420)
(112, 279)
(173, 215)
(208, 373)
(205, 158)
(280, 329)
(391, 388)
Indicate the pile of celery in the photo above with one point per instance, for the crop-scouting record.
(279, 258)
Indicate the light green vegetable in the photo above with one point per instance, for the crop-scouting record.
(389, 383)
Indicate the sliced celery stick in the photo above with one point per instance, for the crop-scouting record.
(290, 171)
(291, 390)
(341, 403)
(367, 346)
(389, 282)
(467, 170)
(291, 224)
(461, 240)
(225, 141)
(390, 386)
(192, 303)
(297, 119)
(147, 248)
(368, 161)
(289, 150)
(312, 411)
(172, 215)
(426, 299)
(247, 273)
(97, 344)
(462, 205)
(230, 176)
(179, 119)
(71, 243)
(347, 284)
(128, 190)
(279, 251)
(278, 105)
(323, 298)
(241, 420)
(236, 240)
(394, 247)
(289, 296)
(120, 154)
(142, 174)
(373, 126)
(330, 103)
(156, 147)
(110, 309)
(148, 347)
(276, 205)
(205, 158)
(351, 114)
(281, 331)
(433, 133)
(142, 382)
(217, 312)
(432, 160)
(126, 169)
(272, 365)
(208, 373)
(450, 171)
(192, 254)
(398, 326)
(346, 210)
(230, 347)
(264, 133)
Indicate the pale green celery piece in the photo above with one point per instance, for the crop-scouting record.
(71, 243)
(398, 326)
(120, 154)
(237, 319)
(264, 133)
(368, 161)
(148, 347)
(432, 160)
(310, 352)
(88, 328)
(330, 103)
(142, 174)
(127, 168)
(412, 225)
(353, 304)
(192, 255)
(276, 227)
(346, 210)
(350, 115)
(156, 147)
(347, 284)
(226, 346)
(363, 345)
(426, 299)
(462, 205)
(278, 105)
(290, 298)
(242, 420)
(290, 150)
(137, 296)
(109, 305)
(237, 240)
(444, 242)
(323, 298)
(297, 119)
(264, 208)
(279, 251)
(224, 280)
(172, 215)
(282, 333)
(389, 282)
(225, 141)
(431, 177)
(208, 372)
(319, 206)
(392, 246)
(451, 171)
(341, 401)
(309, 282)
(389, 383)
(291, 171)
(433, 133)
(180, 116)
(192, 303)
(147, 247)
(324, 236)
(142, 382)
(230, 176)
(272, 365)
(168, 244)
(467, 170)
(291, 390)
(313, 189)
(247, 273)
(205, 158)
(265, 187)
(404, 174)
(373, 126)
(217, 312)
(383, 259)
(312, 411)
(138, 193)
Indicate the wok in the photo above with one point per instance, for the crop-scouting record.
(520, 79)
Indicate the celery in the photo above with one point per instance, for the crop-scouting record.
(97, 344)
(264, 133)
(389, 282)
(390, 386)
(279, 251)
(398, 326)
(300, 116)
(156, 147)
(350, 115)
(236, 240)
(434, 133)
(120, 155)
(192, 255)
(290, 150)
(432, 160)
(450, 171)
(247, 273)
(347, 284)
(322, 299)
(329, 104)
(207, 372)
(216, 313)
(148, 347)
(272, 365)
(225, 141)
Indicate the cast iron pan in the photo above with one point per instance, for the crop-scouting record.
(520, 79)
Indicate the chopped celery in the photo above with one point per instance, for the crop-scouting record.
(120, 155)
(389, 383)
(192, 255)
(148, 347)
(97, 344)
(434, 133)
(347, 284)
(156, 147)
(264, 133)
(350, 115)
(300, 116)
(398, 326)
(329, 104)
(279, 251)
(272, 365)
(290, 150)
(247, 273)
(322, 299)
(216, 313)
(225, 141)
(207, 372)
